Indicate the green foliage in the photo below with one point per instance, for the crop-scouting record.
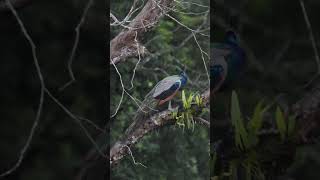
(246, 138)
(241, 135)
(281, 123)
(212, 162)
(194, 21)
(199, 100)
(166, 34)
(185, 117)
(187, 101)
(255, 122)
(291, 125)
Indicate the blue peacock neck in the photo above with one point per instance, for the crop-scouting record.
(183, 79)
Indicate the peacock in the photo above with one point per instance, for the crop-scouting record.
(228, 60)
(164, 91)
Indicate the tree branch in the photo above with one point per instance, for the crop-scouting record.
(124, 44)
(307, 113)
(120, 148)
(203, 121)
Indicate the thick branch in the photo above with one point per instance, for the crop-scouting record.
(127, 43)
(307, 112)
(120, 148)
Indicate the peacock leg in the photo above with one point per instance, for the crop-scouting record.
(169, 106)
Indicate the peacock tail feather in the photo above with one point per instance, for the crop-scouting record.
(147, 108)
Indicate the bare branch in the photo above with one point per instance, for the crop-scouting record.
(42, 90)
(134, 161)
(203, 121)
(119, 149)
(311, 36)
(313, 42)
(307, 112)
(75, 44)
(135, 67)
(124, 44)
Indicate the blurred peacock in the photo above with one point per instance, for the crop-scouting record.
(228, 60)
(162, 92)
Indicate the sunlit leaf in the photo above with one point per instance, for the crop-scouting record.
(184, 99)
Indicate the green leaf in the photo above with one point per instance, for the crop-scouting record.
(256, 121)
(184, 99)
(198, 100)
(193, 122)
(212, 162)
(174, 115)
(291, 125)
(281, 123)
(189, 101)
(241, 136)
(235, 109)
(244, 135)
(248, 171)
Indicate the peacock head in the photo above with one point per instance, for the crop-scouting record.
(184, 78)
(216, 71)
(231, 37)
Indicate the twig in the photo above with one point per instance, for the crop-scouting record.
(74, 117)
(75, 45)
(312, 39)
(42, 92)
(134, 161)
(92, 123)
(42, 84)
(139, 56)
(122, 94)
(202, 57)
(123, 45)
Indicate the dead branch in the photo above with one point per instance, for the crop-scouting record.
(124, 44)
(120, 148)
(307, 113)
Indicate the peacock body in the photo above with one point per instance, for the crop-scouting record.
(162, 92)
(228, 60)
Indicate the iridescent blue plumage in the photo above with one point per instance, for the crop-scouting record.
(228, 61)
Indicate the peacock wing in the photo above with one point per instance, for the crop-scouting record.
(165, 84)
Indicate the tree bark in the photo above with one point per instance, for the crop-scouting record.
(127, 43)
(121, 148)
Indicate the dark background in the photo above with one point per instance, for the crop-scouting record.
(59, 145)
(280, 63)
